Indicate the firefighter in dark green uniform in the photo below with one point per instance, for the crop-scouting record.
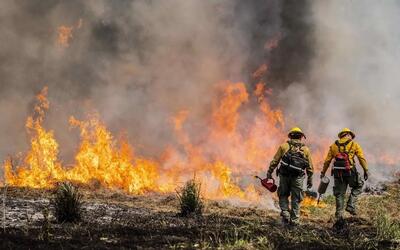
(294, 160)
(343, 152)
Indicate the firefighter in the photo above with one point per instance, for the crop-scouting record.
(345, 172)
(294, 160)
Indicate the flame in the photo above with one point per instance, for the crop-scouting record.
(232, 148)
(41, 166)
(64, 35)
(260, 71)
(114, 166)
(218, 162)
(311, 202)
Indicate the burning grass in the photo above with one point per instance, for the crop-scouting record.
(114, 164)
(231, 149)
(126, 220)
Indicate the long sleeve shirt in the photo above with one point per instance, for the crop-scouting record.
(283, 148)
(352, 148)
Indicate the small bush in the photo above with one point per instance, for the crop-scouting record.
(67, 203)
(190, 201)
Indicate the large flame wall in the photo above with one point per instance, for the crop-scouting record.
(224, 162)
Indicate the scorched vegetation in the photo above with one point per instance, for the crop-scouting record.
(116, 220)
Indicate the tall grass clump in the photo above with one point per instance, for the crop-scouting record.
(67, 203)
(190, 201)
(386, 227)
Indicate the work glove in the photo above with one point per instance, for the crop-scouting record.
(365, 175)
(309, 182)
(322, 175)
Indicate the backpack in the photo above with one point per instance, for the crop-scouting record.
(342, 165)
(294, 162)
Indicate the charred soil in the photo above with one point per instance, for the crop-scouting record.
(116, 220)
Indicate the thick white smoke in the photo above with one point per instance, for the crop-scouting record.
(354, 77)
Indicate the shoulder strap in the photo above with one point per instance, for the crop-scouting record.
(344, 144)
(290, 146)
(338, 145)
(351, 146)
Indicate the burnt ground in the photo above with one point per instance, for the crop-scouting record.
(117, 220)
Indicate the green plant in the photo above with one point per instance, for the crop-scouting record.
(190, 201)
(67, 203)
(329, 199)
(387, 228)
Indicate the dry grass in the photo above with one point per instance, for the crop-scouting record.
(120, 221)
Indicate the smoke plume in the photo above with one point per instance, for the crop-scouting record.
(134, 62)
(352, 79)
(331, 64)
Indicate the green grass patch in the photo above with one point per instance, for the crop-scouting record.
(190, 201)
(67, 202)
(386, 228)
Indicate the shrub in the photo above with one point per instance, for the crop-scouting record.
(190, 201)
(67, 203)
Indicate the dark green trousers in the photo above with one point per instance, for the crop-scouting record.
(290, 186)
(339, 190)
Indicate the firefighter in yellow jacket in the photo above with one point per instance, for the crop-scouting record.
(294, 160)
(343, 152)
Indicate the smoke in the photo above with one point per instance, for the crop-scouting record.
(135, 62)
(353, 77)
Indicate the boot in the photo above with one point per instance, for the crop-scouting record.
(285, 218)
(294, 222)
(339, 224)
(352, 211)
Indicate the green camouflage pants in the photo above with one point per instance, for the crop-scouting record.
(339, 190)
(290, 186)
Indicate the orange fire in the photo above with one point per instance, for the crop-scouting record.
(224, 162)
(260, 71)
(233, 148)
(64, 35)
(41, 167)
(311, 202)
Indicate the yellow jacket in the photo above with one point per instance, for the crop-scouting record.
(283, 148)
(352, 148)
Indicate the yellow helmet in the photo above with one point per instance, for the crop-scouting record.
(346, 130)
(296, 130)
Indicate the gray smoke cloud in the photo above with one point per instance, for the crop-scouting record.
(353, 80)
(135, 62)
(139, 62)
